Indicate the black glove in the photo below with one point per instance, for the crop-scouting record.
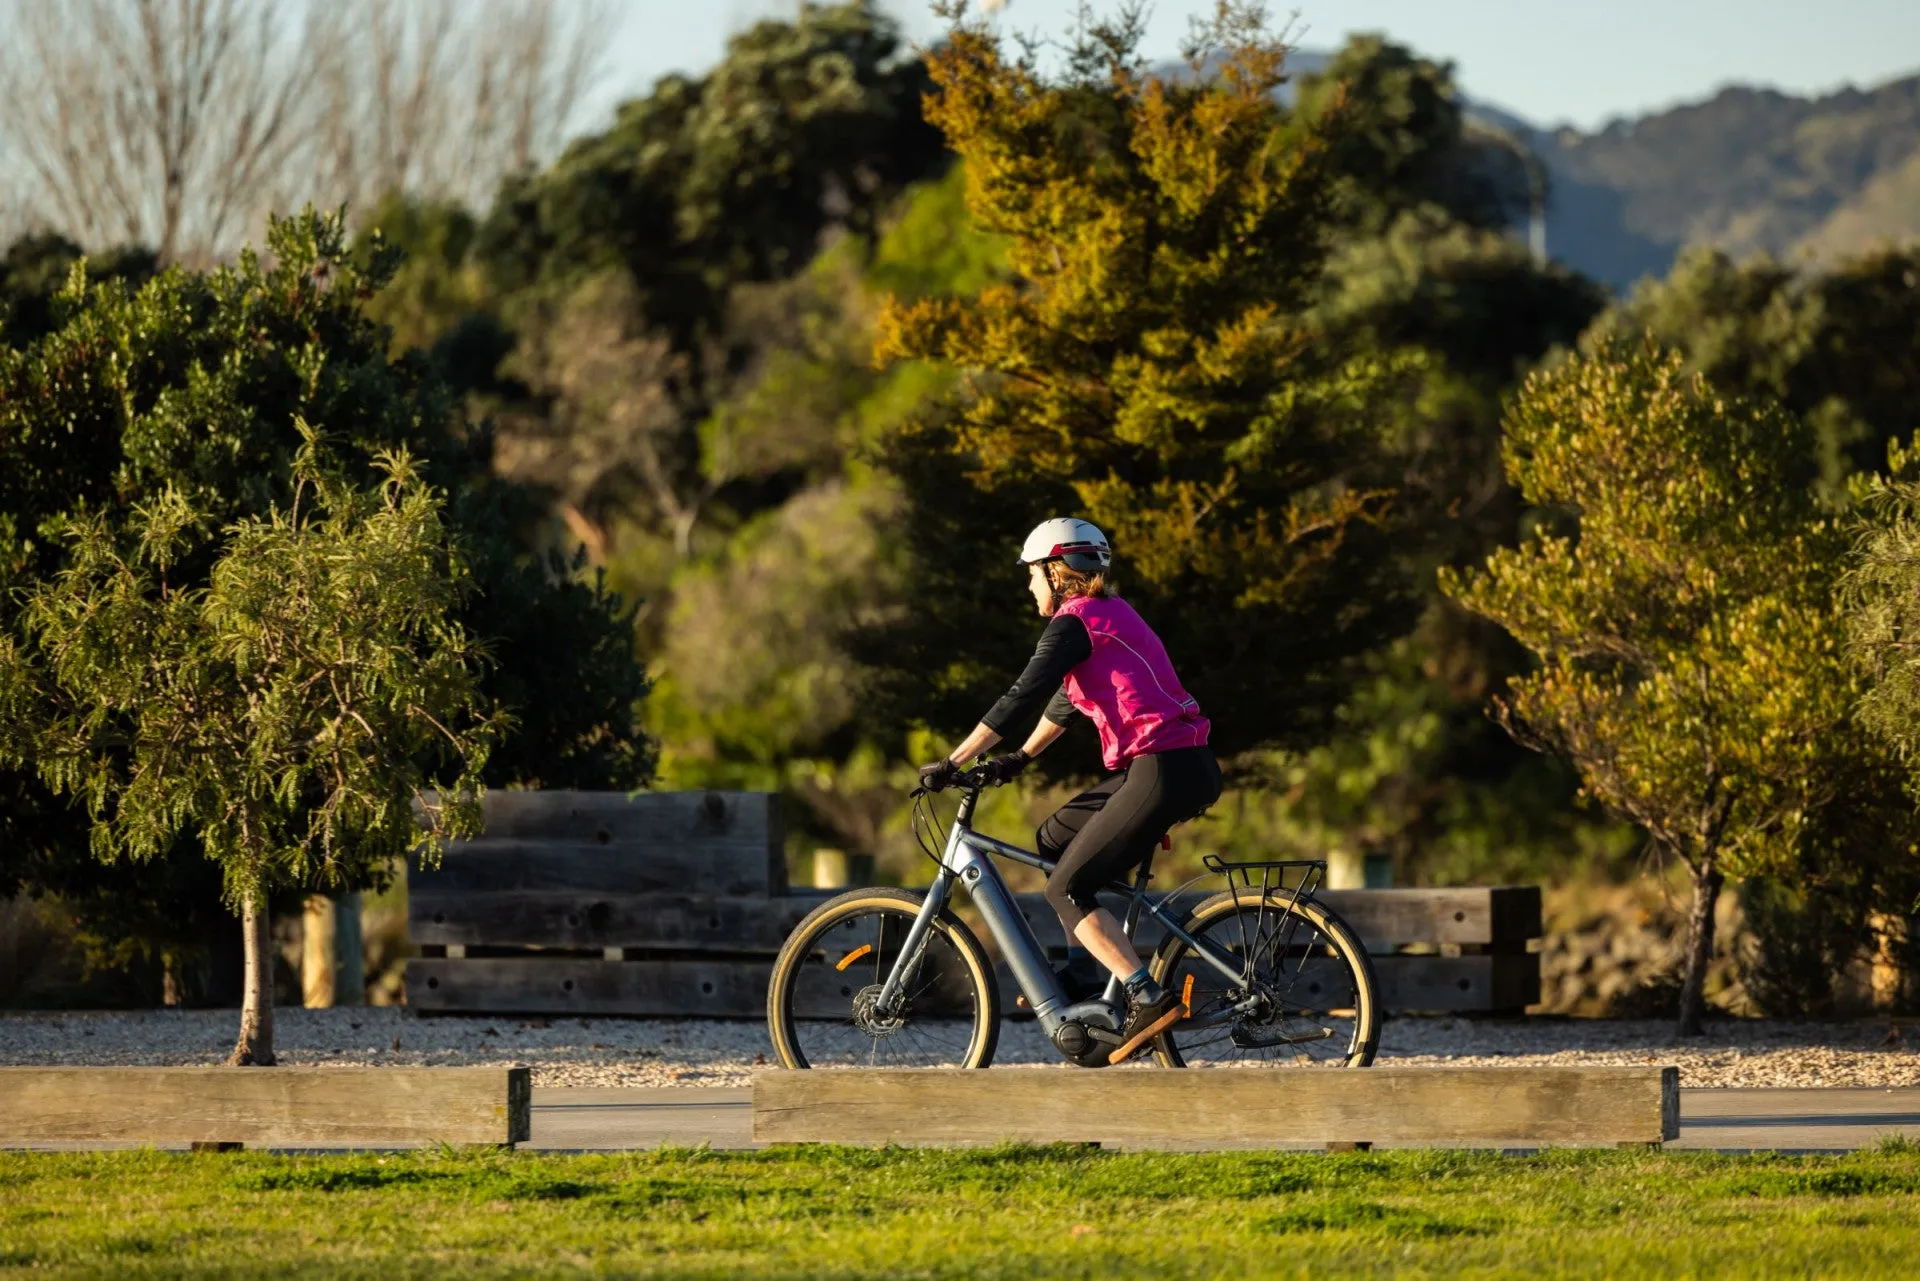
(1005, 768)
(941, 774)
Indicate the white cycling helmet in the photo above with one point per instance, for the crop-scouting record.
(1077, 543)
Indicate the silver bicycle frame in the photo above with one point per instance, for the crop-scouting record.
(968, 860)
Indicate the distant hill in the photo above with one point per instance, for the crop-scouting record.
(1748, 171)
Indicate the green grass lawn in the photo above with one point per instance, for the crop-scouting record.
(1005, 1212)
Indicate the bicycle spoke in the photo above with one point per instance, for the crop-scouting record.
(1305, 997)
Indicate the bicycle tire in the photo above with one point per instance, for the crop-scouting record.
(1331, 943)
(967, 965)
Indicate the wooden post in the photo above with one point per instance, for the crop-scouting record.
(332, 953)
(830, 871)
(349, 952)
(317, 976)
(1346, 869)
(1892, 985)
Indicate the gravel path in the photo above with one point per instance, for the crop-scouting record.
(651, 1052)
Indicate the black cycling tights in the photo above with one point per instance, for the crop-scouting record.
(1102, 835)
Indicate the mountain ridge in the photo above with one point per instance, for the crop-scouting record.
(1748, 170)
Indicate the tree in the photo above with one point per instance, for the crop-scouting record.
(1404, 144)
(192, 383)
(291, 715)
(180, 123)
(1878, 594)
(1679, 599)
(659, 238)
(35, 269)
(1150, 367)
(443, 99)
(1839, 347)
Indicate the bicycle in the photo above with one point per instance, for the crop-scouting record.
(893, 977)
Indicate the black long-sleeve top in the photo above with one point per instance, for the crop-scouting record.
(1063, 646)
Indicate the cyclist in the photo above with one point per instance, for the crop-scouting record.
(1097, 657)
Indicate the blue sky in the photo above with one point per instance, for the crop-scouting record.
(1550, 61)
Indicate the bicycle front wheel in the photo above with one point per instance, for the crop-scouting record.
(822, 1003)
(1305, 992)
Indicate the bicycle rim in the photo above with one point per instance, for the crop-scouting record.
(822, 1002)
(1316, 1001)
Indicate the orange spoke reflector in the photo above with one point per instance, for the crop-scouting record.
(864, 948)
(1186, 995)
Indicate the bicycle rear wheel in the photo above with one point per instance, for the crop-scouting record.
(1310, 987)
(821, 1009)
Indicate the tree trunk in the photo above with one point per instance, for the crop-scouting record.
(255, 1046)
(1693, 982)
(169, 980)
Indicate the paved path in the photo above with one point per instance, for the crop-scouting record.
(1714, 1120)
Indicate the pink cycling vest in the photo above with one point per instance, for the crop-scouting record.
(1128, 687)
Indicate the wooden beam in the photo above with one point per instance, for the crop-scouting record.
(1239, 1108)
(1459, 984)
(568, 918)
(641, 818)
(708, 842)
(490, 866)
(736, 987)
(1384, 919)
(679, 988)
(266, 1107)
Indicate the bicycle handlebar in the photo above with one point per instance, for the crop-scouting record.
(970, 780)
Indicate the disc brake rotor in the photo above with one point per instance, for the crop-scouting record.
(867, 1016)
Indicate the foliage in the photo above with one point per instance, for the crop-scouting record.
(1877, 594)
(192, 383)
(1798, 941)
(802, 127)
(1410, 764)
(1840, 348)
(35, 269)
(1149, 368)
(1027, 1212)
(640, 278)
(759, 683)
(290, 716)
(1684, 619)
(1403, 144)
(282, 713)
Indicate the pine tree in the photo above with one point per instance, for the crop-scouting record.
(1150, 368)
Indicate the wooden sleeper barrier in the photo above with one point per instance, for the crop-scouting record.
(282, 1107)
(1217, 1108)
(673, 904)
